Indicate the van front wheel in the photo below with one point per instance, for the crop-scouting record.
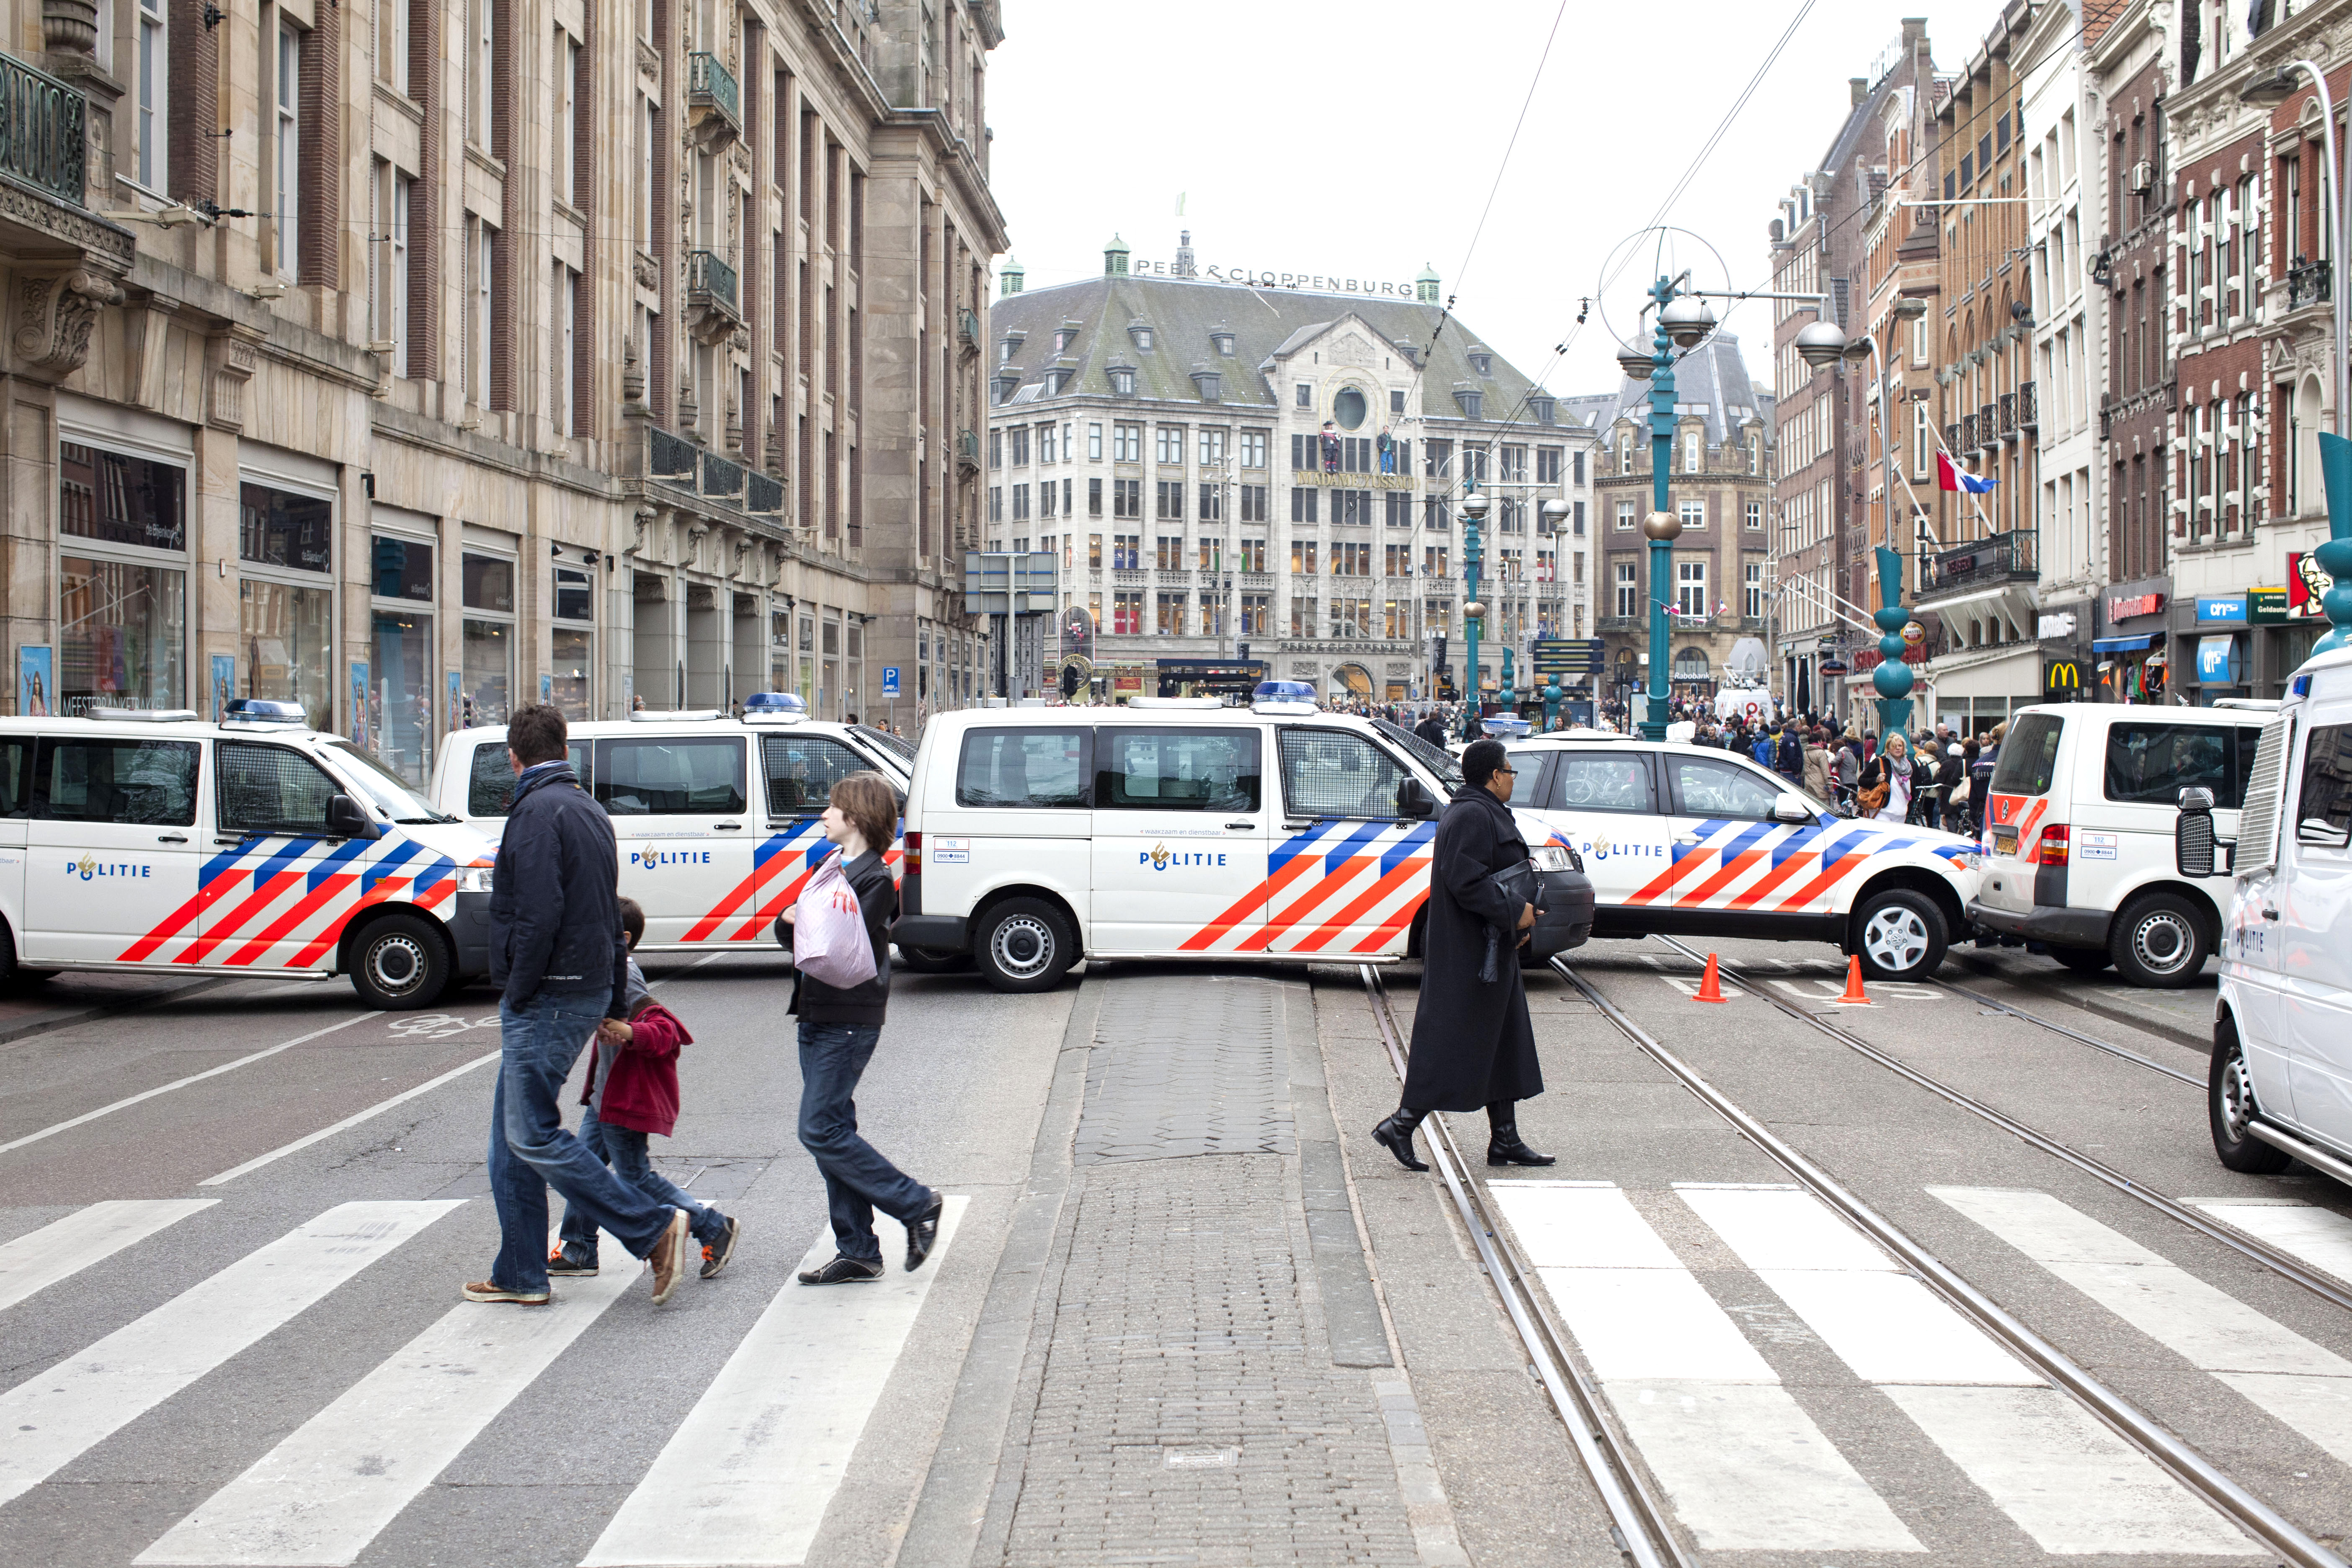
(400, 962)
(2230, 1099)
(2159, 941)
(1024, 944)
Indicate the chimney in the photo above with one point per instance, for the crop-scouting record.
(1860, 86)
(1115, 258)
(1915, 31)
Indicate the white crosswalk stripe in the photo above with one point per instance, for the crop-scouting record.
(746, 1478)
(321, 1495)
(2052, 1467)
(1745, 1467)
(2321, 1237)
(49, 1420)
(65, 1247)
(2302, 1385)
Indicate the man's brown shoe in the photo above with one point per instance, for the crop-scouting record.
(668, 1256)
(485, 1292)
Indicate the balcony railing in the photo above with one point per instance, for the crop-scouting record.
(2008, 415)
(713, 102)
(2308, 284)
(1987, 562)
(968, 449)
(711, 308)
(968, 328)
(1968, 434)
(2028, 416)
(1952, 442)
(764, 494)
(721, 475)
(43, 131)
(670, 457)
(1986, 428)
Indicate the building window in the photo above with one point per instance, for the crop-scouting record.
(1168, 445)
(1629, 592)
(1624, 516)
(153, 65)
(1127, 443)
(1548, 465)
(1018, 440)
(565, 146)
(1693, 514)
(1094, 499)
(1122, 383)
(477, 74)
(1094, 443)
(1305, 395)
(1127, 498)
(1168, 503)
(286, 598)
(487, 639)
(121, 623)
(1211, 444)
(1303, 503)
(287, 198)
(401, 656)
(1691, 451)
(1754, 514)
(1753, 604)
(1690, 587)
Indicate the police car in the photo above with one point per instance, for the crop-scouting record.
(1693, 840)
(1176, 828)
(715, 818)
(256, 845)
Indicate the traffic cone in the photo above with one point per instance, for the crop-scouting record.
(1855, 996)
(1710, 989)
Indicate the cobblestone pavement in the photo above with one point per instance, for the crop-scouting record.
(1180, 1402)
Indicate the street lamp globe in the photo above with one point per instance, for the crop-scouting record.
(1662, 526)
(1474, 507)
(1821, 344)
(1475, 610)
(1636, 362)
(1555, 513)
(1688, 321)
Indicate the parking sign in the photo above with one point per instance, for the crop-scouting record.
(889, 681)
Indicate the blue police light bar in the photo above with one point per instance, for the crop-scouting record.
(783, 707)
(1283, 697)
(263, 710)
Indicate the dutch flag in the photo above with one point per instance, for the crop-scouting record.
(1950, 476)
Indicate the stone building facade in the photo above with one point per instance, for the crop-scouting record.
(417, 359)
(1163, 436)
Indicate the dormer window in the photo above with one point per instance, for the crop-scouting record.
(1139, 334)
(1208, 383)
(1005, 385)
(1546, 410)
(1223, 343)
(1481, 361)
(1009, 345)
(1122, 381)
(1470, 399)
(1067, 334)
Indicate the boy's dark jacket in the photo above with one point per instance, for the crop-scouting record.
(641, 1092)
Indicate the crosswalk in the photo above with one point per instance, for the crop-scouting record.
(745, 1478)
(1746, 1467)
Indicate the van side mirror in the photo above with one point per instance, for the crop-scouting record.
(346, 820)
(1790, 807)
(2192, 834)
(2322, 834)
(1413, 801)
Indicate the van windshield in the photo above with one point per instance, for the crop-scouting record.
(2029, 756)
(1436, 759)
(390, 792)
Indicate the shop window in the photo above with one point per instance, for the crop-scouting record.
(403, 569)
(121, 633)
(486, 640)
(111, 499)
(283, 638)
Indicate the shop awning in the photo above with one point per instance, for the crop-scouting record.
(2121, 645)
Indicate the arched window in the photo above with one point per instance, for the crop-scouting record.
(1690, 664)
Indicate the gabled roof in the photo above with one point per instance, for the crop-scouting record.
(1711, 380)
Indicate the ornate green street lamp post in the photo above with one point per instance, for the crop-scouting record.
(1474, 511)
(1893, 676)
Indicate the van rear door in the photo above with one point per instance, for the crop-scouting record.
(15, 805)
(2315, 928)
(2126, 802)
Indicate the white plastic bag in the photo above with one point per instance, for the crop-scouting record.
(829, 940)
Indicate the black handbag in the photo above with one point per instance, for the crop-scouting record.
(1517, 884)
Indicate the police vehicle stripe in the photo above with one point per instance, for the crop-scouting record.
(284, 925)
(1315, 940)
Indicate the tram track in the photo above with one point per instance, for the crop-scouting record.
(2248, 1511)
(1639, 1522)
(2254, 1248)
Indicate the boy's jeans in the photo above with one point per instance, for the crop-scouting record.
(857, 1179)
(530, 1149)
(624, 1149)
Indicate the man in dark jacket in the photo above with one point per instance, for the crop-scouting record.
(1431, 729)
(1473, 1043)
(562, 964)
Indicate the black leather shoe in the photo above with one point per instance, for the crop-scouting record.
(844, 1271)
(922, 1232)
(1395, 1135)
(1505, 1147)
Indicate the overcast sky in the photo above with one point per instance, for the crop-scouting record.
(1363, 140)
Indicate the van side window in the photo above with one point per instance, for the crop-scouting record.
(152, 783)
(15, 777)
(2327, 794)
(1176, 770)
(1709, 788)
(268, 789)
(2150, 764)
(1327, 772)
(801, 770)
(1600, 781)
(489, 785)
(1035, 768)
(671, 777)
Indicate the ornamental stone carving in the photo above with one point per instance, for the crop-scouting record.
(54, 314)
(229, 357)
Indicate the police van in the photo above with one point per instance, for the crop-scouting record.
(1177, 828)
(715, 818)
(1698, 841)
(257, 845)
(2078, 832)
(2279, 1086)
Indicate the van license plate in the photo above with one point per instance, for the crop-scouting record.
(2004, 840)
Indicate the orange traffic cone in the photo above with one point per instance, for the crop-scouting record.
(1855, 995)
(1710, 989)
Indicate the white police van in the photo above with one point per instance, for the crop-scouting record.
(1698, 841)
(157, 841)
(715, 818)
(1177, 828)
(2281, 1081)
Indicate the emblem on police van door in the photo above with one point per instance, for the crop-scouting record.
(1159, 857)
(1600, 847)
(86, 867)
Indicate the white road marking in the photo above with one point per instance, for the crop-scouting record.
(124, 1104)
(2300, 1384)
(348, 1122)
(2321, 1237)
(1743, 1464)
(65, 1247)
(2061, 1476)
(54, 1416)
(746, 1478)
(321, 1495)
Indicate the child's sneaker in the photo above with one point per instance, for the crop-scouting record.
(716, 1255)
(570, 1263)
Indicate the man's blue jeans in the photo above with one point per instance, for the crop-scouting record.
(624, 1149)
(531, 1152)
(857, 1179)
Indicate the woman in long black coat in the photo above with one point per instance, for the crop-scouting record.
(1473, 1043)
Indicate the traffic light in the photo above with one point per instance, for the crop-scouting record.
(1069, 682)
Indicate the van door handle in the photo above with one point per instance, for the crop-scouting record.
(1240, 826)
(171, 838)
(1688, 838)
(733, 827)
(2269, 914)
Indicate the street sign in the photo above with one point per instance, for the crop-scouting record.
(1564, 656)
(889, 681)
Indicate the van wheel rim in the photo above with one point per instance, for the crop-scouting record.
(2236, 1097)
(1896, 938)
(1022, 946)
(396, 964)
(2163, 942)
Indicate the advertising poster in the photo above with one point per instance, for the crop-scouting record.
(546, 687)
(224, 684)
(363, 732)
(36, 679)
(455, 720)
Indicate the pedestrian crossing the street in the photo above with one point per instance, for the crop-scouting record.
(1746, 1468)
(745, 1479)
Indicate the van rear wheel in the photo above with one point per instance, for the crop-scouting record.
(2159, 941)
(400, 962)
(1024, 944)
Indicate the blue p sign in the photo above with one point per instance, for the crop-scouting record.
(889, 681)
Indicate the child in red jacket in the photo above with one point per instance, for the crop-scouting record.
(632, 1093)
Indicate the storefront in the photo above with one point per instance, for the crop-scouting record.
(2128, 651)
(122, 576)
(401, 647)
(285, 594)
(2220, 655)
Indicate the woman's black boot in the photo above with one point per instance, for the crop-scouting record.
(1503, 1145)
(1395, 1135)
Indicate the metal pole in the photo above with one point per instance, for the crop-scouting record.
(1470, 622)
(1662, 451)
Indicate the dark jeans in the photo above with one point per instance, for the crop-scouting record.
(624, 1149)
(857, 1179)
(530, 1149)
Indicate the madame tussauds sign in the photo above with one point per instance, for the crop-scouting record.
(1313, 282)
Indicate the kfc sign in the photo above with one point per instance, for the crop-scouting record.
(2138, 605)
(2307, 584)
